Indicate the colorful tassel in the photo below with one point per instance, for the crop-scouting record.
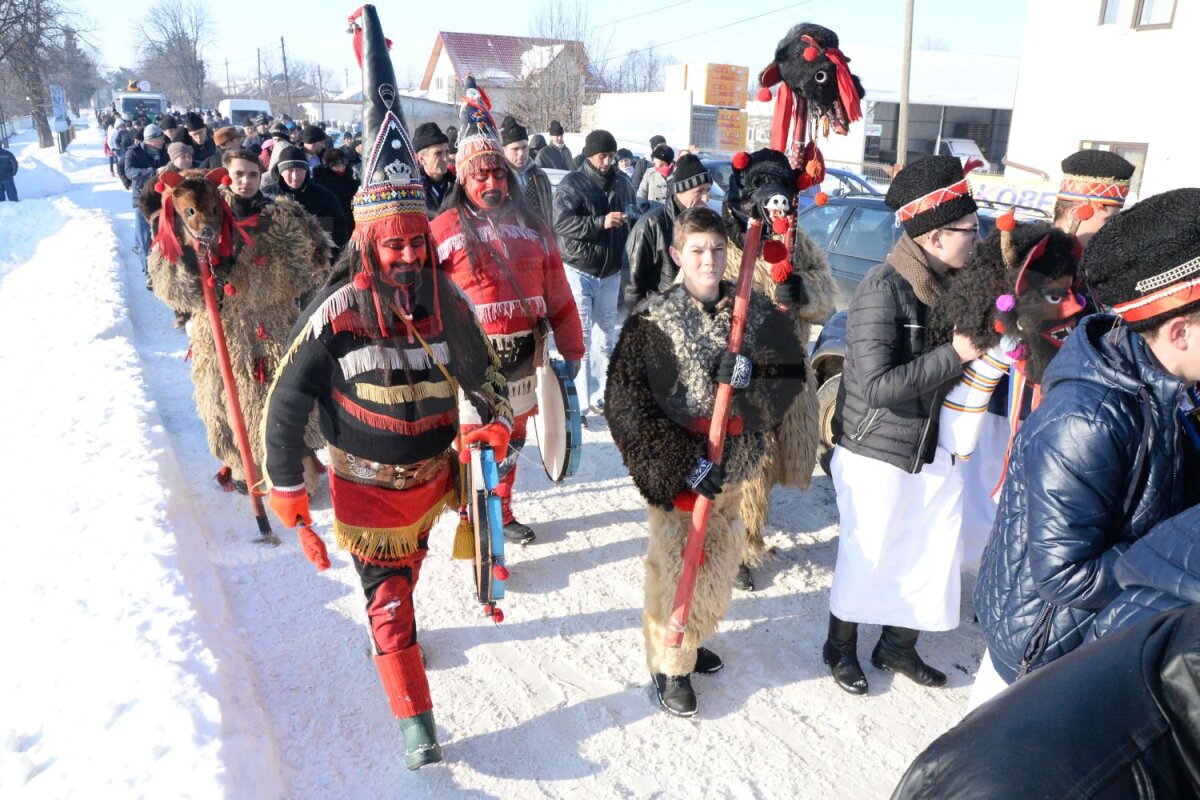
(464, 540)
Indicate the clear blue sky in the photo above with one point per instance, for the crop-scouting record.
(708, 30)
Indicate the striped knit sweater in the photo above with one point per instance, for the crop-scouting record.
(333, 362)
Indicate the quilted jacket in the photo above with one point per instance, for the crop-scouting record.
(1160, 572)
(1077, 494)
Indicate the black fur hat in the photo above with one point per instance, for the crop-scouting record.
(1095, 176)
(1145, 262)
(194, 121)
(428, 134)
(556, 129)
(930, 193)
(512, 131)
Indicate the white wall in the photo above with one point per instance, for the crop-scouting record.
(640, 115)
(1084, 81)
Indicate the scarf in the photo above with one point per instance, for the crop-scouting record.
(910, 261)
(665, 169)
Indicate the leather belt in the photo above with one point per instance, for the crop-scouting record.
(392, 476)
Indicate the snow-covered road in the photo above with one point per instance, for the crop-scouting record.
(154, 651)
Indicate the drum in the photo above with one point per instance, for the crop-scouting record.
(558, 423)
(487, 522)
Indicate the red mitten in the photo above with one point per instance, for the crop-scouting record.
(494, 435)
(314, 548)
(291, 505)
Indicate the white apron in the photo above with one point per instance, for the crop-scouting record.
(899, 544)
(980, 475)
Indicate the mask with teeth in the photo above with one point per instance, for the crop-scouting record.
(1049, 304)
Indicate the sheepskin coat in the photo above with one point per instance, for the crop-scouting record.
(791, 451)
(289, 257)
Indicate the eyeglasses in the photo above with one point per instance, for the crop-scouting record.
(963, 230)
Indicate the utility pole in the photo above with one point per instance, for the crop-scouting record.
(228, 88)
(321, 89)
(258, 55)
(346, 75)
(905, 69)
(287, 82)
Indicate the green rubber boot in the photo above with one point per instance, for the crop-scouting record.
(420, 741)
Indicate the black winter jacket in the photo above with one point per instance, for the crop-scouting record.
(651, 268)
(1114, 720)
(8, 164)
(582, 201)
(141, 165)
(436, 192)
(1063, 523)
(552, 157)
(317, 201)
(1160, 572)
(888, 401)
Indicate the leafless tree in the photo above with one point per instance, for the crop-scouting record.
(641, 70)
(173, 35)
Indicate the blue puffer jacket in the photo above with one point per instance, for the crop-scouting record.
(1073, 500)
(1161, 572)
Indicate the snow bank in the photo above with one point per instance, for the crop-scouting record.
(111, 607)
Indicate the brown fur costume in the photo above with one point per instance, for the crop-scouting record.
(289, 257)
(792, 448)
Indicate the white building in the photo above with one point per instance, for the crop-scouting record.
(1112, 74)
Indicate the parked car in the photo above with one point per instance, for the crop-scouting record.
(839, 183)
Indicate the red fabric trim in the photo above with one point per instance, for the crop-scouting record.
(1165, 301)
(932, 200)
(362, 505)
(166, 240)
(1078, 186)
(404, 681)
(384, 422)
(685, 501)
(786, 121)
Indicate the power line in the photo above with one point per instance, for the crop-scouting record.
(791, 7)
(635, 16)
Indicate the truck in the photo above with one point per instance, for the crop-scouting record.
(239, 111)
(130, 104)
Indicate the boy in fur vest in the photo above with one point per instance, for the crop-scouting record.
(662, 382)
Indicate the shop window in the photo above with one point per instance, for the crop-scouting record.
(1138, 14)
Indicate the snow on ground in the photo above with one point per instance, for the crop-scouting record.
(156, 652)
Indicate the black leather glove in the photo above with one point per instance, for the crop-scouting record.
(734, 369)
(707, 478)
(791, 291)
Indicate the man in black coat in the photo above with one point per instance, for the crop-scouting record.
(142, 162)
(591, 228)
(898, 546)
(334, 175)
(8, 171)
(292, 180)
(556, 155)
(433, 156)
(203, 146)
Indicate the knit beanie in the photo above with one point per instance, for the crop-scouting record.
(177, 149)
(194, 122)
(599, 141)
(312, 134)
(428, 134)
(929, 193)
(689, 173)
(655, 141)
(555, 128)
(167, 122)
(291, 157)
(512, 131)
(151, 131)
(1145, 262)
(663, 153)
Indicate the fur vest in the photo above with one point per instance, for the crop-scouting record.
(661, 388)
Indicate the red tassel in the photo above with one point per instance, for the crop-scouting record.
(362, 281)
(780, 225)
(158, 187)
(260, 261)
(1085, 212)
(741, 160)
(805, 181)
(764, 95)
(230, 290)
(781, 271)
(774, 252)
(260, 370)
(166, 240)
(261, 333)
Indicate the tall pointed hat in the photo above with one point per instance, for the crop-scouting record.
(391, 189)
(477, 136)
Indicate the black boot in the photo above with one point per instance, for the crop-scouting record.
(707, 662)
(897, 652)
(675, 694)
(841, 654)
(744, 579)
(518, 533)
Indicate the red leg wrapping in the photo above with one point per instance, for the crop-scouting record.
(393, 618)
(404, 681)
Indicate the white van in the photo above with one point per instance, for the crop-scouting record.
(963, 149)
(239, 112)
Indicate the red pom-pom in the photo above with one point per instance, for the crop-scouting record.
(362, 281)
(741, 160)
(774, 252)
(764, 95)
(495, 613)
(805, 181)
(781, 271)
(230, 291)
(821, 198)
(810, 54)
(780, 225)
(260, 261)
(1085, 211)
(159, 187)
(1007, 221)
(212, 282)
(500, 572)
(261, 333)
(226, 181)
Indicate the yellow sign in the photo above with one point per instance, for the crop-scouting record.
(731, 130)
(725, 85)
